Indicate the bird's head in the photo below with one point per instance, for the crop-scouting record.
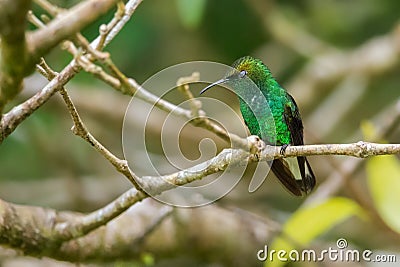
(245, 67)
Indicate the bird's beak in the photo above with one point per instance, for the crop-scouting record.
(224, 80)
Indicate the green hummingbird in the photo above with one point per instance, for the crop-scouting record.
(272, 114)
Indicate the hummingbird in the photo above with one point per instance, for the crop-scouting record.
(271, 113)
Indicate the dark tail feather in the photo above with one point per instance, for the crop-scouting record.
(285, 176)
(303, 184)
(309, 178)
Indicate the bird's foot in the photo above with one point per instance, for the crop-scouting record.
(256, 146)
(283, 149)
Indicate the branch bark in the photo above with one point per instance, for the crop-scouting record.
(211, 230)
(10, 121)
(67, 235)
(385, 123)
(360, 149)
(66, 25)
(149, 228)
(49, 230)
(17, 59)
(13, 49)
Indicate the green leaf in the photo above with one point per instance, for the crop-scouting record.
(308, 223)
(384, 184)
(190, 12)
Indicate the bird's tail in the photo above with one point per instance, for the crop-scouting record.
(295, 174)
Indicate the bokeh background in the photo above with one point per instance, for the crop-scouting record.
(315, 49)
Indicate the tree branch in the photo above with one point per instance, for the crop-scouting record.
(155, 185)
(129, 86)
(67, 226)
(116, 25)
(10, 121)
(388, 120)
(13, 48)
(67, 24)
(207, 228)
(360, 149)
(149, 228)
(16, 59)
(56, 233)
(80, 129)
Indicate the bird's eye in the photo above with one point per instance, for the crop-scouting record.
(242, 73)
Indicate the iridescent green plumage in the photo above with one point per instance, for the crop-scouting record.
(274, 116)
(275, 95)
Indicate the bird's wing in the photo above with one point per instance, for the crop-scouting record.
(295, 125)
(293, 120)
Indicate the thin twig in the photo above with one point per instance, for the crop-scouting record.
(49, 7)
(198, 115)
(155, 185)
(35, 20)
(66, 25)
(80, 130)
(68, 229)
(116, 25)
(10, 121)
(71, 227)
(130, 87)
(183, 86)
(347, 169)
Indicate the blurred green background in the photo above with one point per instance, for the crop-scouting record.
(43, 163)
